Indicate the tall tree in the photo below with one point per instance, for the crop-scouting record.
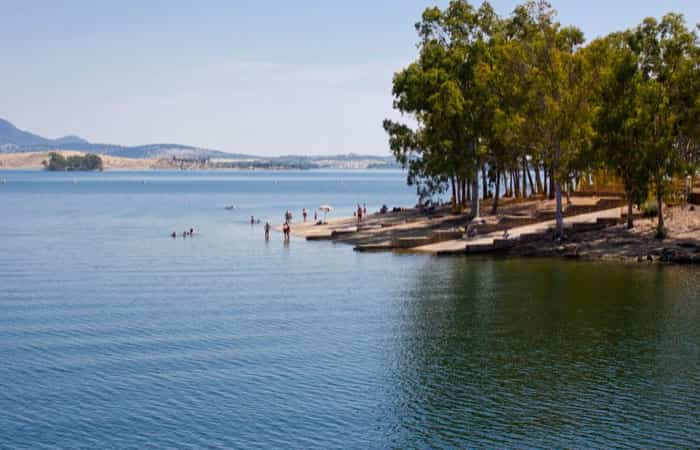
(441, 92)
(666, 51)
(558, 93)
(618, 124)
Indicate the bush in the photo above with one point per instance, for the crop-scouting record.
(87, 162)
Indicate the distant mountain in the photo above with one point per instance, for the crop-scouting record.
(71, 140)
(12, 136)
(14, 140)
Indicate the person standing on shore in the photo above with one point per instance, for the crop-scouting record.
(364, 210)
(267, 231)
(304, 213)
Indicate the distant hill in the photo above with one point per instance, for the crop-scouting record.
(12, 136)
(14, 140)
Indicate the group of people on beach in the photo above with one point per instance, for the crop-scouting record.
(186, 233)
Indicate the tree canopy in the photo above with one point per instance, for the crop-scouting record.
(87, 162)
(494, 100)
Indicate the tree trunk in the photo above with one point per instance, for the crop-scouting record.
(560, 211)
(568, 192)
(538, 180)
(455, 195)
(529, 178)
(475, 196)
(524, 177)
(516, 181)
(484, 182)
(545, 186)
(552, 185)
(509, 184)
(661, 227)
(630, 217)
(467, 194)
(494, 209)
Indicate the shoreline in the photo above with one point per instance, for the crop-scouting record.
(35, 161)
(593, 232)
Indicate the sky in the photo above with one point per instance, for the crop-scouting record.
(275, 77)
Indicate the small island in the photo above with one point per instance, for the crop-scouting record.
(88, 162)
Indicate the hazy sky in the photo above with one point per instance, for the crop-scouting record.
(264, 77)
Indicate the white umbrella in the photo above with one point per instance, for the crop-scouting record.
(325, 209)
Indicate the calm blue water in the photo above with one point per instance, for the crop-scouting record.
(114, 335)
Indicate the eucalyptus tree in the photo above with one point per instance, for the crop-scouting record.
(558, 102)
(618, 124)
(442, 93)
(667, 52)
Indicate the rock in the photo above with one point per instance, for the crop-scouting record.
(689, 245)
(677, 256)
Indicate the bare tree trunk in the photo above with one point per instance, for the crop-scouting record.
(568, 192)
(630, 217)
(560, 212)
(466, 194)
(552, 185)
(529, 178)
(497, 192)
(524, 177)
(484, 182)
(454, 194)
(460, 189)
(475, 195)
(545, 186)
(538, 180)
(516, 181)
(509, 184)
(661, 227)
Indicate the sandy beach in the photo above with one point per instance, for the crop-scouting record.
(35, 160)
(594, 230)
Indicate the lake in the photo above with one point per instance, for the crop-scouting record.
(115, 335)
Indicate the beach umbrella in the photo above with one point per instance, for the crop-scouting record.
(325, 209)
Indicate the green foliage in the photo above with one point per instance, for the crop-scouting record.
(87, 162)
(524, 91)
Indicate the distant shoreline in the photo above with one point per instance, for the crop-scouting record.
(35, 161)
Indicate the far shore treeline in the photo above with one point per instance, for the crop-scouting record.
(501, 98)
(87, 162)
